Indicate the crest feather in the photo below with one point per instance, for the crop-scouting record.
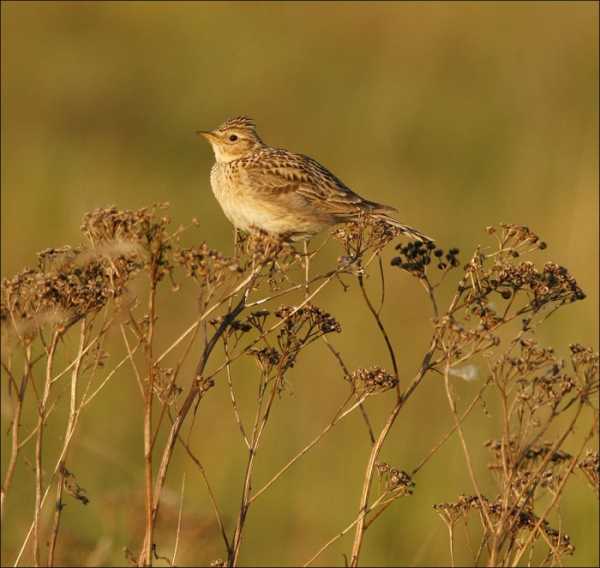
(238, 121)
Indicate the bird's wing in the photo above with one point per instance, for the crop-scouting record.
(295, 176)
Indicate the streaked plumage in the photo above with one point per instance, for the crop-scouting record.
(281, 192)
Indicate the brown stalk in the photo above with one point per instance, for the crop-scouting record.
(38, 446)
(148, 400)
(382, 329)
(258, 429)
(463, 442)
(19, 396)
(211, 493)
(197, 389)
(446, 436)
(73, 413)
(236, 413)
(376, 449)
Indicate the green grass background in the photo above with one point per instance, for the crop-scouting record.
(461, 115)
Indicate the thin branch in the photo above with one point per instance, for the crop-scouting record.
(340, 534)
(38, 447)
(452, 404)
(71, 421)
(339, 415)
(211, 493)
(178, 533)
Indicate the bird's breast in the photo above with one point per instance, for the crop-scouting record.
(237, 200)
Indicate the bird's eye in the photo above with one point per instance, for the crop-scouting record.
(233, 138)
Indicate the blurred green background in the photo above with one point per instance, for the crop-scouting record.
(462, 115)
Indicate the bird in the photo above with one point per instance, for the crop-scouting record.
(282, 193)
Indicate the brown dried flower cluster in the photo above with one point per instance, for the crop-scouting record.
(506, 277)
(205, 265)
(539, 376)
(164, 385)
(364, 234)
(274, 255)
(268, 359)
(395, 481)
(524, 464)
(372, 381)
(141, 228)
(519, 518)
(72, 487)
(301, 326)
(586, 365)
(66, 293)
(512, 237)
(307, 321)
(460, 342)
(552, 284)
(416, 256)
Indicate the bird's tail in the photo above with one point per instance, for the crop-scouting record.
(405, 229)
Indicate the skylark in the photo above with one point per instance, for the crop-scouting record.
(280, 192)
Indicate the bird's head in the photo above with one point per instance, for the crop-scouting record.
(234, 139)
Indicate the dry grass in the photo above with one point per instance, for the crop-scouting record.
(262, 303)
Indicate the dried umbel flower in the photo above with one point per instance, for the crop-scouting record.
(524, 464)
(553, 284)
(515, 519)
(301, 326)
(490, 278)
(275, 255)
(451, 512)
(71, 486)
(257, 319)
(513, 237)
(309, 319)
(142, 227)
(535, 453)
(267, 357)
(110, 224)
(586, 364)
(457, 339)
(394, 480)
(164, 385)
(64, 295)
(365, 233)
(539, 377)
(55, 258)
(205, 265)
(372, 381)
(416, 256)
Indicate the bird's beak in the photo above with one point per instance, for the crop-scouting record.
(205, 134)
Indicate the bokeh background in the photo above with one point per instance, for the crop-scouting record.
(460, 114)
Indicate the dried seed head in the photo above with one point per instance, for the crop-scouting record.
(372, 381)
(415, 257)
(365, 233)
(394, 480)
(205, 265)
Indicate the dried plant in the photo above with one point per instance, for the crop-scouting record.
(109, 285)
